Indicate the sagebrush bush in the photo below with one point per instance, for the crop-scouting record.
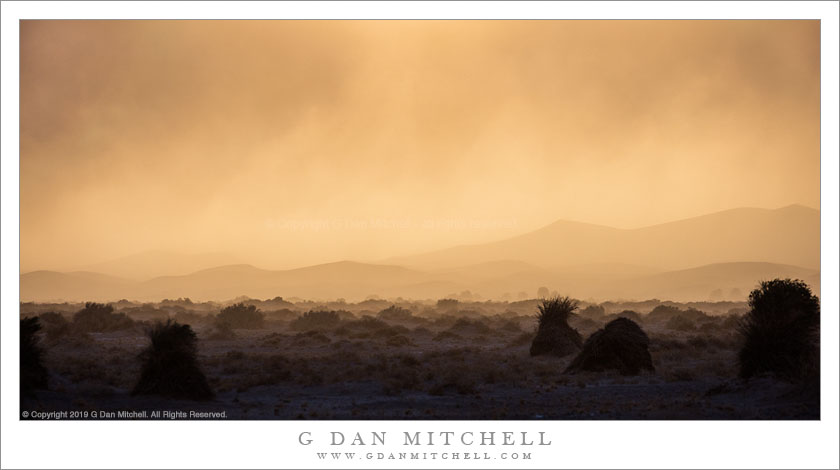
(781, 332)
(512, 326)
(446, 304)
(187, 317)
(680, 323)
(467, 326)
(241, 316)
(554, 335)
(593, 312)
(396, 314)
(33, 374)
(55, 325)
(316, 320)
(397, 341)
(446, 335)
(100, 318)
(628, 314)
(368, 323)
(621, 345)
(222, 331)
(694, 315)
(283, 314)
(522, 340)
(312, 336)
(170, 364)
(662, 313)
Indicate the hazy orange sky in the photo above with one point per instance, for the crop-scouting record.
(298, 142)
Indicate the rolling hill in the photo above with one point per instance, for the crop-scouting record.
(717, 256)
(41, 286)
(789, 235)
(149, 264)
(355, 281)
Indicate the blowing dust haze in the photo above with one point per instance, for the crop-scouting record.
(291, 143)
(424, 220)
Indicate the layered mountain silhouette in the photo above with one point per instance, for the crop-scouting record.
(789, 235)
(720, 256)
(149, 264)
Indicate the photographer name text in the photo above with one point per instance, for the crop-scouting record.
(429, 438)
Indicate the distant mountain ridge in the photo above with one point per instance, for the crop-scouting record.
(356, 281)
(692, 259)
(789, 235)
(149, 264)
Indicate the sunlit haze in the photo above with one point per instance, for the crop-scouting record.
(290, 143)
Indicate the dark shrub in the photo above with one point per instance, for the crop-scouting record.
(394, 313)
(467, 326)
(512, 326)
(662, 313)
(316, 320)
(367, 322)
(628, 314)
(55, 325)
(731, 321)
(241, 316)
(679, 323)
(187, 317)
(593, 312)
(554, 335)
(581, 324)
(390, 331)
(99, 318)
(52, 318)
(398, 341)
(447, 304)
(33, 374)
(345, 315)
(781, 332)
(621, 345)
(145, 313)
(694, 315)
(283, 314)
(711, 326)
(446, 335)
(522, 340)
(222, 331)
(312, 336)
(170, 365)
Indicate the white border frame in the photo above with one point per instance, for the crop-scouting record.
(577, 444)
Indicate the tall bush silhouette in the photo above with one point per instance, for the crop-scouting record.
(781, 332)
(554, 335)
(33, 374)
(170, 364)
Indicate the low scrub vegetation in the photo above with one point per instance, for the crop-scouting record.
(100, 318)
(241, 316)
(316, 320)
